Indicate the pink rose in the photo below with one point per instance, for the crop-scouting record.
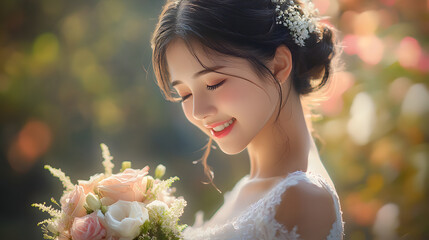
(72, 202)
(87, 228)
(88, 186)
(129, 185)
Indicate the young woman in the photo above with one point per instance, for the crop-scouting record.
(240, 68)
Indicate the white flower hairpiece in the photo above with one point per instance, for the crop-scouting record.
(300, 21)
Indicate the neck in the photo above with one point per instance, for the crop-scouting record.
(281, 147)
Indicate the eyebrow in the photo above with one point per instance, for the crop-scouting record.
(197, 74)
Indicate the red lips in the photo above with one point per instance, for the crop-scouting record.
(224, 132)
(216, 124)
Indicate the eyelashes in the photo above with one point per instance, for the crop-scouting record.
(211, 88)
(184, 98)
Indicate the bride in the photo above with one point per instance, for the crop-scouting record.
(239, 69)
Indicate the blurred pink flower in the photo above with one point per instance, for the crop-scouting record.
(371, 49)
(128, 186)
(424, 63)
(87, 228)
(72, 202)
(350, 42)
(322, 5)
(409, 53)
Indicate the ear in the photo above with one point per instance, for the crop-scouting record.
(282, 63)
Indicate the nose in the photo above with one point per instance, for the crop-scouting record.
(202, 107)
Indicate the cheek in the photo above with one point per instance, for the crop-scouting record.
(244, 97)
(235, 98)
(230, 95)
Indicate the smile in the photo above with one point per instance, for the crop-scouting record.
(223, 130)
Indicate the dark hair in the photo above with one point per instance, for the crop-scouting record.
(244, 29)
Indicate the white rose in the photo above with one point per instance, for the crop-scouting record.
(123, 219)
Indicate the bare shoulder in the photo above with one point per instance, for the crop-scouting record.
(310, 208)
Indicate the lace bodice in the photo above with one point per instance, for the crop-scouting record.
(258, 222)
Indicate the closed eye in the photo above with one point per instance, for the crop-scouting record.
(211, 88)
(184, 98)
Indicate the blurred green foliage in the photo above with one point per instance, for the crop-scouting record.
(74, 74)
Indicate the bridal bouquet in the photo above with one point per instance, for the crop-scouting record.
(129, 205)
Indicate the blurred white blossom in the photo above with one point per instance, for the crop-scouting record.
(416, 101)
(362, 118)
(386, 222)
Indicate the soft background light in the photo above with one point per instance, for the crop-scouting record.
(74, 74)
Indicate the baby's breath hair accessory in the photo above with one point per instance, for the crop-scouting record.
(301, 21)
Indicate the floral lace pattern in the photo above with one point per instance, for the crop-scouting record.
(258, 222)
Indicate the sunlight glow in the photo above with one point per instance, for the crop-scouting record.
(341, 82)
(32, 141)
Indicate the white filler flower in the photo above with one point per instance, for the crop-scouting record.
(157, 209)
(125, 218)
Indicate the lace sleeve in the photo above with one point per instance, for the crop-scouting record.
(260, 221)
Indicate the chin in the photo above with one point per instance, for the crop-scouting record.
(230, 149)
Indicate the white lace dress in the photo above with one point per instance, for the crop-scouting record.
(258, 222)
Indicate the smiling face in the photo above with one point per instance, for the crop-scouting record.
(211, 98)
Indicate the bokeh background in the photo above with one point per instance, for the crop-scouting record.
(74, 74)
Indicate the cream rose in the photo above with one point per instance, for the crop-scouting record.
(128, 185)
(89, 185)
(72, 202)
(87, 228)
(123, 219)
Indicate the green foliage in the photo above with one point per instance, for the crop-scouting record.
(155, 230)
